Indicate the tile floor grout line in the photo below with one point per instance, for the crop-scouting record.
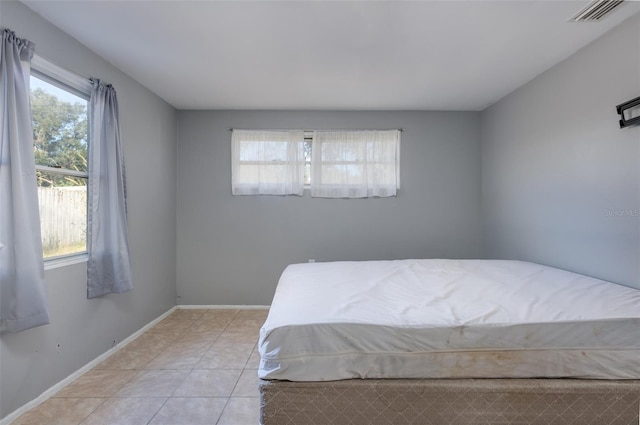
(251, 355)
(158, 411)
(226, 403)
(91, 413)
(234, 387)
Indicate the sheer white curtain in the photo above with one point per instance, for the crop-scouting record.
(355, 164)
(23, 302)
(108, 268)
(267, 162)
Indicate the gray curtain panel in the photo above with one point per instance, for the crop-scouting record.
(108, 269)
(23, 302)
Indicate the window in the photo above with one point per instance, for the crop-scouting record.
(59, 114)
(355, 164)
(334, 164)
(268, 162)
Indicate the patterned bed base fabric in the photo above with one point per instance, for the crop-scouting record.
(450, 401)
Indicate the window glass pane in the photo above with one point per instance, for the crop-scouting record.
(63, 214)
(307, 161)
(59, 127)
(60, 141)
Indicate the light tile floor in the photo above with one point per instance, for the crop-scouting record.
(193, 367)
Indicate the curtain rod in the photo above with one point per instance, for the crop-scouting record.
(343, 129)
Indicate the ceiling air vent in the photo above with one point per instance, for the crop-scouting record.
(596, 10)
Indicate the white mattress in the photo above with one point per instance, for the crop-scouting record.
(448, 319)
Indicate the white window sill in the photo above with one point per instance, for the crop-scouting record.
(67, 260)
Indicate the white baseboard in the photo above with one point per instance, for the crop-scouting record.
(57, 387)
(222, 307)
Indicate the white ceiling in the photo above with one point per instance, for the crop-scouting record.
(365, 55)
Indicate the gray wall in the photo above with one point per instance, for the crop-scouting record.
(560, 180)
(31, 361)
(232, 249)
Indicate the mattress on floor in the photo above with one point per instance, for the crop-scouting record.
(448, 319)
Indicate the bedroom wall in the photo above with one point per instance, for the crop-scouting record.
(80, 330)
(232, 249)
(560, 179)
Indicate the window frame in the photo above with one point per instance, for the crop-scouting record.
(292, 140)
(309, 140)
(81, 87)
(357, 164)
(308, 147)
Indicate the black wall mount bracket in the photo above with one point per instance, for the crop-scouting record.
(626, 109)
